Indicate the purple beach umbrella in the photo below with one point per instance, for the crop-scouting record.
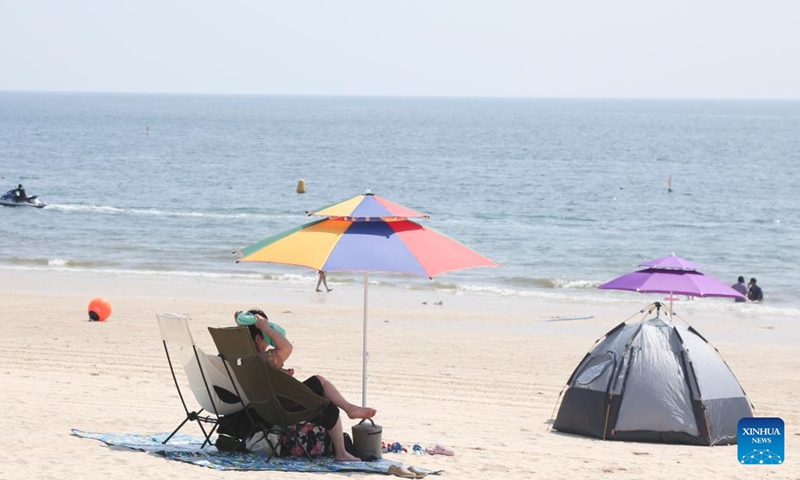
(678, 282)
(671, 262)
(672, 275)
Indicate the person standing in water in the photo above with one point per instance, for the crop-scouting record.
(740, 287)
(322, 281)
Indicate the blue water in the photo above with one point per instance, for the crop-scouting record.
(564, 194)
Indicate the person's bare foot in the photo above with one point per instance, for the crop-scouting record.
(346, 457)
(361, 412)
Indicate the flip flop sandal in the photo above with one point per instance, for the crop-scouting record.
(401, 471)
(416, 472)
(397, 448)
(439, 450)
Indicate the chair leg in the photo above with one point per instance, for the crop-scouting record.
(308, 455)
(272, 446)
(265, 432)
(206, 435)
(195, 416)
(176, 430)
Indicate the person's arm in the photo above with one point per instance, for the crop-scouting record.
(283, 348)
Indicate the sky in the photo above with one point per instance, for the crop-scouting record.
(703, 49)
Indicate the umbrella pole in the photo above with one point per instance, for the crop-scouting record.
(365, 353)
(670, 306)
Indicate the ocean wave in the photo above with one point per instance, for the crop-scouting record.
(65, 266)
(553, 283)
(311, 279)
(59, 265)
(110, 210)
(576, 284)
(607, 297)
(59, 262)
(497, 291)
(435, 285)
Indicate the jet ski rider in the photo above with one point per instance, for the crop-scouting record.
(19, 193)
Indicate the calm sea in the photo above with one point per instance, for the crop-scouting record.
(564, 194)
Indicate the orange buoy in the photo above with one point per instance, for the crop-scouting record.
(99, 310)
(301, 186)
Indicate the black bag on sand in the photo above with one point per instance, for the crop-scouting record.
(348, 444)
(233, 430)
(226, 443)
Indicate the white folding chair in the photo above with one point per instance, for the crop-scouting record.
(207, 376)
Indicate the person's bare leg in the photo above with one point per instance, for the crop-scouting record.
(353, 411)
(336, 435)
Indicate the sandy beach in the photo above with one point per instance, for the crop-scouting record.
(481, 375)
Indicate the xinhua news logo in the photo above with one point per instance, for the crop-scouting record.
(761, 441)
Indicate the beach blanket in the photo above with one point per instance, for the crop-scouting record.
(186, 448)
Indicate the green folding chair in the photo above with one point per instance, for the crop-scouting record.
(279, 399)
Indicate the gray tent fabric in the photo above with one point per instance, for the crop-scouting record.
(653, 381)
(660, 402)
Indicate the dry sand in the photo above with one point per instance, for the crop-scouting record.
(479, 375)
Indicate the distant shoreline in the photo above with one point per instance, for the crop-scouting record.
(255, 291)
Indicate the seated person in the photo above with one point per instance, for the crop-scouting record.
(19, 193)
(329, 417)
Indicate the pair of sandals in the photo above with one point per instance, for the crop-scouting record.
(405, 472)
(439, 450)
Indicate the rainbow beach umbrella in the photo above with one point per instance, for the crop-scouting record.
(357, 245)
(368, 207)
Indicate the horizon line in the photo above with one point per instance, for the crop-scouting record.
(406, 96)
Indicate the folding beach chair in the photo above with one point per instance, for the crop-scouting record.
(208, 379)
(279, 399)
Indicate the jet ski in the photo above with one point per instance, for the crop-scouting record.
(10, 199)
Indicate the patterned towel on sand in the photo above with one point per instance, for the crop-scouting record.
(186, 448)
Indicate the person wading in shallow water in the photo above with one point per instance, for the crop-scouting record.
(754, 293)
(740, 287)
(323, 280)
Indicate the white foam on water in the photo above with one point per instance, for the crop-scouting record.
(110, 210)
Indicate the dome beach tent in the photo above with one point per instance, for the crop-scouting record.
(655, 381)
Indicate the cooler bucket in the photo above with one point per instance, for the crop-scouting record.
(367, 440)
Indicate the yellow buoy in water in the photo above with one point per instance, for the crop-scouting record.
(301, 186)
